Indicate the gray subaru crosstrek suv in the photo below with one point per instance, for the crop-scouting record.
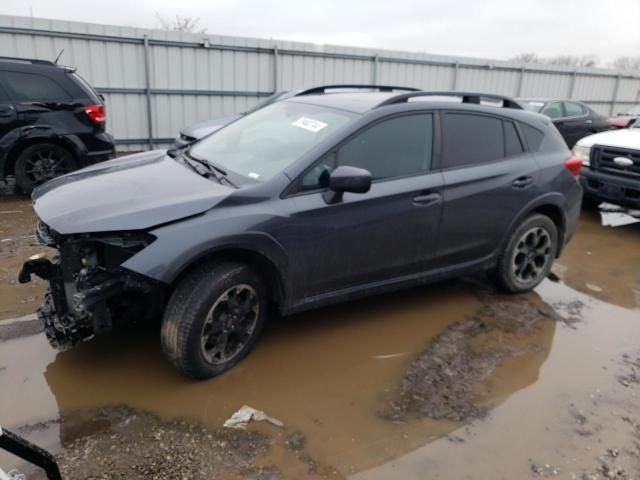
(320, 198)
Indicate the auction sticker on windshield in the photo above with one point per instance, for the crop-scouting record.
(309, 124)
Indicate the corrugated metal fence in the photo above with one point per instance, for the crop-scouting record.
(156, 82)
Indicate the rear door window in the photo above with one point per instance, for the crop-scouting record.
(573, 109)
(553, 110)
(28, 87)
(470, 139)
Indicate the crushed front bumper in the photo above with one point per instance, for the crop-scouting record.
(62, 328)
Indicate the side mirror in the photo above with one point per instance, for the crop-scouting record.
(347, 179)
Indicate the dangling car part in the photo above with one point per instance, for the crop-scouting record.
(29, 452)
(87, 287)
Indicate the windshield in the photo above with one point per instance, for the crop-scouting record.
(265, 142)
(532, 105)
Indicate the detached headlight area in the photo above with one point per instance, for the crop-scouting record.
(583, 153)
(88, 288)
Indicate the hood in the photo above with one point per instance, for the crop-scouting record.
(202, 129)
(624, 138)
(130, 193)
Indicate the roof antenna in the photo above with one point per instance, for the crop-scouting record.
(58, 57)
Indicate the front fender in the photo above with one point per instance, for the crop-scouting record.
(181, 245)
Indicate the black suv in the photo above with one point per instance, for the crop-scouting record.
(51, 122)
(320, 198)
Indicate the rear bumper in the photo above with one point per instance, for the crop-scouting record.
(572, 207)
(99, 147)
(616, 189)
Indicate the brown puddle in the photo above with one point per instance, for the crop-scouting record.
(330, 374)
(603, 261)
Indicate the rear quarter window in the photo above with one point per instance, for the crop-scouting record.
(532, 136)
(86, 87)
(30, 87)
(539, 141)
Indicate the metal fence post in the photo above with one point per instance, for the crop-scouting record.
(374, 73)
(572, 85)
(521, 81)
(456, 70)
(276, 79)
(615, 95)
(147, 89)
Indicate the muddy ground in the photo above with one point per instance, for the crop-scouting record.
(450, 381)
(17, 243)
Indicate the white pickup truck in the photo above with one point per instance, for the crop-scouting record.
(611, 170)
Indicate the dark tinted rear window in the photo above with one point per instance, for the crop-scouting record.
(28, 87)
(86, 87)
(512, 143)
(470, 139)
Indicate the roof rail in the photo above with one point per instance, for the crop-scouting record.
(34, 61)
(467, 97)
(380, 88)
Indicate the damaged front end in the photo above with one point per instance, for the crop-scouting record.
(89, 292)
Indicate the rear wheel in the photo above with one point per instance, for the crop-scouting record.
(41, 162)
(528, 256)
(213, 318)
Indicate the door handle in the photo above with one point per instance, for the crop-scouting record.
(588, 122)
(522, 182)
(427, 198)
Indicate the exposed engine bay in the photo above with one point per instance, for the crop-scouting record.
(89, 291)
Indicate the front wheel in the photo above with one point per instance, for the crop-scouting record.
(528, 256)
(213, 318)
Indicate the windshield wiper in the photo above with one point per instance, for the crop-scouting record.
(212, 170)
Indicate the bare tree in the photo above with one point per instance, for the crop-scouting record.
(573, 60)
(627, 64)
(526, 58)
(181, 24)
(569, 60)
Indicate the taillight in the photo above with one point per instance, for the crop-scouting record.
(96, 113)
(574, 164)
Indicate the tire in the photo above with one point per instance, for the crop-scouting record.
(528, 255)
(41, 162)
(209, 303)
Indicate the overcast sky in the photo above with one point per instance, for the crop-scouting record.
(480, 28)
